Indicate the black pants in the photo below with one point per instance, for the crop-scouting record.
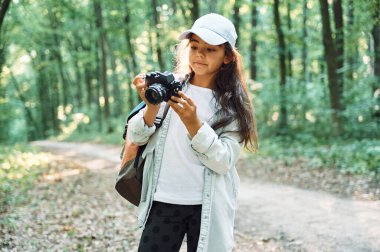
(167, 225)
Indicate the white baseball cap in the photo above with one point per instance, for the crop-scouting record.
(214, 29)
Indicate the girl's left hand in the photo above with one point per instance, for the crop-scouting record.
(187, 112)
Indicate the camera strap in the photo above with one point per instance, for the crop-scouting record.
(158, 121)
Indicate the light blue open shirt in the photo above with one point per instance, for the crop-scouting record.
(218, 151)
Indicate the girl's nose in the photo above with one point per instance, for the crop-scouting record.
(200, 52)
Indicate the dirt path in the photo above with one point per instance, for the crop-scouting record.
(76, 209)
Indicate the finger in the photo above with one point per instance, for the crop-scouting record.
(170, 103)
(139, 79)
(141, 87)
(176, 99)
(178, 106)
(182, 100)
(174, 106)
(182, 94)
(186, 98)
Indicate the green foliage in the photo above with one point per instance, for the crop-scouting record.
(361, 156)
(20, 167)
(52, 49)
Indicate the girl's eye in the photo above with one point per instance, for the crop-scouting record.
(210, 49)
(193, 47)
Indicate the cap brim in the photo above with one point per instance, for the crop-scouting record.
(206, 35)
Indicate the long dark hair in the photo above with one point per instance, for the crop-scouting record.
(231, 93)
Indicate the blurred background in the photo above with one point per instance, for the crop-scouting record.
(312, 67)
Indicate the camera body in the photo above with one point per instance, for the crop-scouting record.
(161, 86)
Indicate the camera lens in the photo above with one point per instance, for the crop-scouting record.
(155, 93)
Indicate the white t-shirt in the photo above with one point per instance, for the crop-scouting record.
(181, 176)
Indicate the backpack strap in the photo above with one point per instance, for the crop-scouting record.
(158, 120)
(142, 148)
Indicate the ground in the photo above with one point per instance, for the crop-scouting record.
(74, 207)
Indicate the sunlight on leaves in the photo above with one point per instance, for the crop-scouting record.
(310, 117)
(77, 119)
(20, 166)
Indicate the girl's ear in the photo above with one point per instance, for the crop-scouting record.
(228, 59)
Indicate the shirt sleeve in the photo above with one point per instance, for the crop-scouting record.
(218, 153)
(138, 132)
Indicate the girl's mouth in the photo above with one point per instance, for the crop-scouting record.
(199, 64)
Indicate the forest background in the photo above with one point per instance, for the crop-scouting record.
(313, 68)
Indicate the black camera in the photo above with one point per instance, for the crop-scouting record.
(161, 86)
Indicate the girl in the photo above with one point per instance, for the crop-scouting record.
(190, 183)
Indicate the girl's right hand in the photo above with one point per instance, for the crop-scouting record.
(141, 86)
(139, 83)
(152, 110)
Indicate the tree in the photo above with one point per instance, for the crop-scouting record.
(305, 75)
(34, 128)
(282, 65)
(194, 6)
(339, 44)
(131, 56)
(78, 58)
(236, 21)
(156, 24)
(103, 67)
(3, 10)
(289, 48)
(376, 45)
(253, 42)
(352, 54)
(376, 41)
(3, 108)
(331, 61)
(56, 51)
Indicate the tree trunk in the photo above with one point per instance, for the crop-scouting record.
(3, 10)
(282, 64)
(89, 74)
(305, 77)
(131, 58)
(194, 7)
(58, 58)
(118, 100)
(156, 24)
(33, 131)
(330, 58)
(76, 50)
(97, 90)
(376, 44)
(289, 49)
(103, 68)
(339, 45)
(236, 21)
(254, 18)
(352, 50)
(48, 94)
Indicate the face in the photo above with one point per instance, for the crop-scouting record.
(205, 59)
